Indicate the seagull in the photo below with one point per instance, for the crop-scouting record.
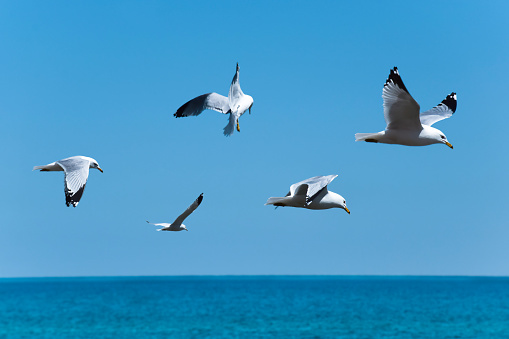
(312, 194)
(76, 175)
(405, 126)
(236, 104)
(177, 224)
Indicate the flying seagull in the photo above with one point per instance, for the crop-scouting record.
(235, 105)
(177, 224)
(311, 193)
(76, 175)
(405, 126)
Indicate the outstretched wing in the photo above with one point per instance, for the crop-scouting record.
(401, 111)
(194, 107)
(76, 174)
(311, 186)
(235, 94)
(443, 110)
(189, 210)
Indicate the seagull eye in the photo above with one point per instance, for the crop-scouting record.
(443, 137)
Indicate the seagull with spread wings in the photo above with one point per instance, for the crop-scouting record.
(312, 194)
(405, 126)
(76, 175)
(236, 104)
(177, 224)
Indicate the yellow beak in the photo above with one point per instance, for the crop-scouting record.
(100, 169)
(449, 144)
(347, 210)
(238, 127)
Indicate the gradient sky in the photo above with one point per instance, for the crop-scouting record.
(103, 79)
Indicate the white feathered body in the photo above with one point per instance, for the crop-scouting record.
(171, 227)
(426, 136)
(324, 200)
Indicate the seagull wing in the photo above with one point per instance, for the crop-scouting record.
(235, 95)
(312, 185)
(194, 107)
(76, 175)
(443, 110)
(401, 111)
(180, 219)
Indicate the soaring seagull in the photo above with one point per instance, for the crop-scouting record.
(235, 105)
(311, 193)
(76, 175)
(405, 126)
(177, 224)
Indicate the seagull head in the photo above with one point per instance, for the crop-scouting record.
(444, 140)
(343, 206)
(95, 164)
(338, 201)
(434, 136)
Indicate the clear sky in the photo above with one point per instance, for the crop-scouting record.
(103, 79)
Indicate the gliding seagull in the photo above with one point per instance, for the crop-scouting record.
(177, 224)
(312, 194)
(405, 126)
(236, 104)
(76, 175)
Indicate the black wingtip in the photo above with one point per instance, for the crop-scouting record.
(395, 78)
(200, 198)
(451, 101)
(73, 199)
(180, 111)
(238, 67)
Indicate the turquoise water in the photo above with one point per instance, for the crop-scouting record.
(255, 307)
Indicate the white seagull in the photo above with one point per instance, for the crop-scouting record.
(177, 224)
(405, 126)
(311, 193)
(236, 104)
(76, 175)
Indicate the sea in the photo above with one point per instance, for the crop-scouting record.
(255, 307)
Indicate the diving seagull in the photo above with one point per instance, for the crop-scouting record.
(312, 194)
(76, 175)
(177, 224)
(405, 126)
(235, 105)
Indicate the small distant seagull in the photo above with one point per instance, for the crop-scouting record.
(404, 124)
(311, 193)
(76, 175)
(177, 224)
(236, 104)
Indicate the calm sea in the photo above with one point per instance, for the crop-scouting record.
(255, 307)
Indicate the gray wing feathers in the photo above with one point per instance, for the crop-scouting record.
(401, 111)
(194, 107)
(442, 111)
(76, 174)
(235, 93)
(312, 185)
(180, 219)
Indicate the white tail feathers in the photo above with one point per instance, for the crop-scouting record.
(364, 136)
(38, 167)
(276, 200)
(230, 128)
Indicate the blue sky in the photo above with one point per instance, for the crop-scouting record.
(104, 79)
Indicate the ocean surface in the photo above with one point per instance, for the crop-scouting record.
(255, 307)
